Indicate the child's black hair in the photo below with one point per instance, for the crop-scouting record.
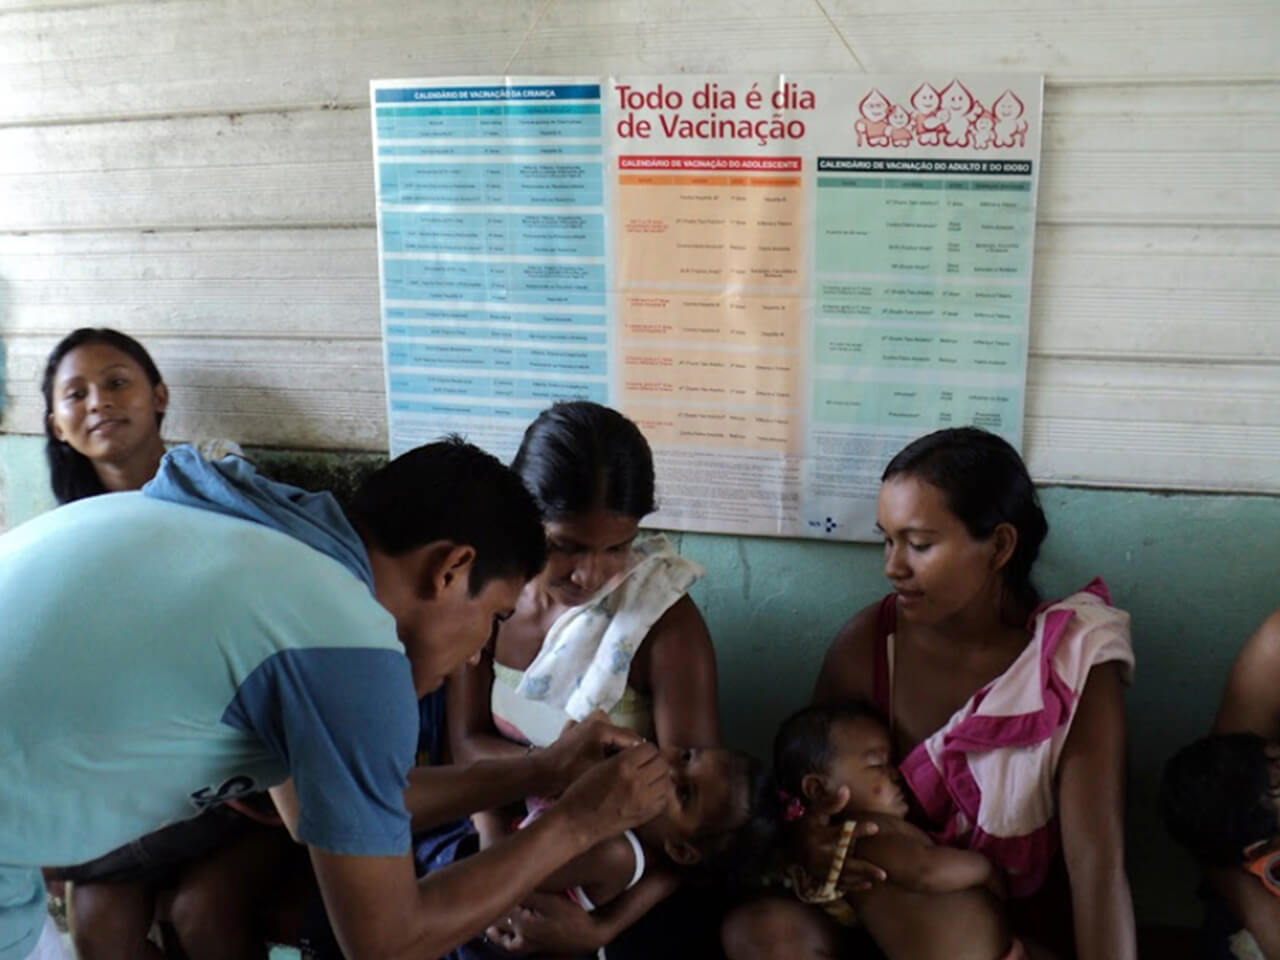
(736, 857)
(803, 742)
(1216, 797)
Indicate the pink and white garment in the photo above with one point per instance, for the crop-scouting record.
(986, 779)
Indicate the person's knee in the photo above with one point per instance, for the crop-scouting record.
(203, 908)
(109, 920)
(767, 929)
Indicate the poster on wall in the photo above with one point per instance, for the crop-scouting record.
(782, 278)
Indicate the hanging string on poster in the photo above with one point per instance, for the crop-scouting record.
(781, 279)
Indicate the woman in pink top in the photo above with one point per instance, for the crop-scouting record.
(1007, 714)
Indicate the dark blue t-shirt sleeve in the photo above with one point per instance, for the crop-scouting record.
(345, 722)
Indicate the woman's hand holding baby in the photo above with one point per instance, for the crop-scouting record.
(814, 841)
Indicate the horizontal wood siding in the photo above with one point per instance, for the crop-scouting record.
(198, 174)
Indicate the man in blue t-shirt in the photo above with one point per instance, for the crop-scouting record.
(218, 634)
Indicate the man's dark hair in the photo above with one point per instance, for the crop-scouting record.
(803, 742)
(453, 491)
(1216, 797)
(579, 455)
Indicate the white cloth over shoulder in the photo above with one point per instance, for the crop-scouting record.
(587, 653)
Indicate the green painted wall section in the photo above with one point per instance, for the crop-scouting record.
(1197, 574)
(24, 484)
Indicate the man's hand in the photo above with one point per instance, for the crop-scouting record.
(625, 791)
(579, 748)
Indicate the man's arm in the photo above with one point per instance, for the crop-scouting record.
(380, 913)
(285, 797)
(438, 794)
(604, 870)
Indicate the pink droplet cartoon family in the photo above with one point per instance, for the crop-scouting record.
(951, 117)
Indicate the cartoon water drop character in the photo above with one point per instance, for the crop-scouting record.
(899, 126)
(927, 121)
(871, 126)
(1010, 128)
(959, 111)
(983, 130)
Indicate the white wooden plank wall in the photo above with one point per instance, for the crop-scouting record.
(198, 173)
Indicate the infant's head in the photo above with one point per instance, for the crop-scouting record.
(714, 807)
(836, 758)
(1220, 797)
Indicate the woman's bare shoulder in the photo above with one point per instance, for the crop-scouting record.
(677, 638)
(1251, 700)
(682, 617)
(1266, 639)
(848, 670)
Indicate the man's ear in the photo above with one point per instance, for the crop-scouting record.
(1004, 540)
(681, 852)
(447, 568)
(822, 796)
(160, 393)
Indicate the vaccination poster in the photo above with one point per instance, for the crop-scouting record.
(781, 278)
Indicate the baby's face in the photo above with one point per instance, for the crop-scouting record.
(709, 792)
(862, 761)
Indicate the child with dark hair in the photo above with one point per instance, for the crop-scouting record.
(834, 761)
(713, 824)
(719, 819)
(1220, 798)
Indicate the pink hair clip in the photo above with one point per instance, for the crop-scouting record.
(792, 807)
